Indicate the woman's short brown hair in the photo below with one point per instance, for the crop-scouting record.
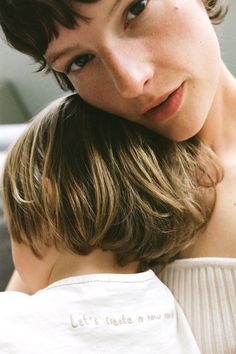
(82, 179)
(29, 26)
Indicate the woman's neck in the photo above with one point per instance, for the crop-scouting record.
(219, 131)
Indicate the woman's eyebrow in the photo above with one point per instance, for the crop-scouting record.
(54, 57)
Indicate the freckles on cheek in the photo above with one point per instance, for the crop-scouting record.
(82, 86)
(92, 97)
(95, 92)
(182, 33)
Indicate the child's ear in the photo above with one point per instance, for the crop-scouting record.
(47, 186)
(48, 194)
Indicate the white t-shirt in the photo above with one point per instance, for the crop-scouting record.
(96, 314)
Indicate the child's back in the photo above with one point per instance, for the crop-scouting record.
(90, 203)
(101, 313)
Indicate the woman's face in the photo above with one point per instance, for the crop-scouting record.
(154, 62)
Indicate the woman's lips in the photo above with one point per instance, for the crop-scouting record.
(167, 108)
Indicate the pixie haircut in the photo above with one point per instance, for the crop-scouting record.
(82, 179)
(30, 25)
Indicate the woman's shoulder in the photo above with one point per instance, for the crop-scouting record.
(201, 270)
(205, 289)
(201, 262)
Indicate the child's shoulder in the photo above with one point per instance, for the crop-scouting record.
(15, 308)
(19, 312)
(13, 302)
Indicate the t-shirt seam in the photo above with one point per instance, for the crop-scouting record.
(101, 281)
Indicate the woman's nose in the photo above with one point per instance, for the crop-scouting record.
(130, 73)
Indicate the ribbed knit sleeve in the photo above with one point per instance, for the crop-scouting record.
(206, 290)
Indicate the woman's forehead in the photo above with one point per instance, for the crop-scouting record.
(90, 14)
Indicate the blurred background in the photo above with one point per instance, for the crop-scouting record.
(23, 93)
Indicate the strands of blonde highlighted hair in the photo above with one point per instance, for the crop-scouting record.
(83, 179)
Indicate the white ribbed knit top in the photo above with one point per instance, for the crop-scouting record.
(206, 290)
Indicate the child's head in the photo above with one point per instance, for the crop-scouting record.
(81, 179)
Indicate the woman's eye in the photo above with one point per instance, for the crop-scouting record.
(136, 9)
(79, 62)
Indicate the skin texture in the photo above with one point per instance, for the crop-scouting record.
(56, 264)
(136, 61)
(34, 272)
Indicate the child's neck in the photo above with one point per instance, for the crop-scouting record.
(98, 261)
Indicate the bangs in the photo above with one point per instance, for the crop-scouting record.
(37, 23)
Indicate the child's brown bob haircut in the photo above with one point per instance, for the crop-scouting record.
(30, 25)
(83, 179)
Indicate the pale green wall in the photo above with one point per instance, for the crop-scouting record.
(227, 38)
(35, 90)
